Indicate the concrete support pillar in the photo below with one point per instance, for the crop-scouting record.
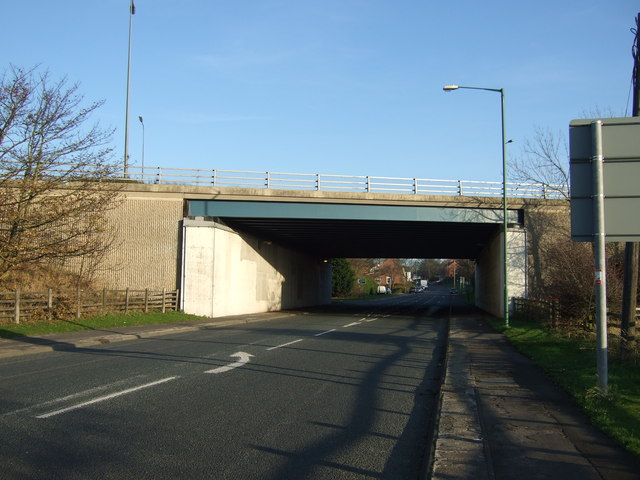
(489, 271)
(225, 272)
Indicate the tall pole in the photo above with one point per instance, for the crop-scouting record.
(630, 285)
(505, 220)
(132, 11)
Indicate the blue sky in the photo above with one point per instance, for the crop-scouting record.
(350, 87)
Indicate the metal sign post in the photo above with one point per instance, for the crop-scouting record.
(600, 255)
(605, 200)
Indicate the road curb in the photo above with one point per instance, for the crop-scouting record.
(459, 450)
(26, 345)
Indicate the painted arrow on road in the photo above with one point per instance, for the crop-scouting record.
(243, 359)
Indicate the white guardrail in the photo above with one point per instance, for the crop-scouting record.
(349, 183)
(295, 181)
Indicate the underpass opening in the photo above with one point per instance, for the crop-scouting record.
(361, 230)
(310, 232)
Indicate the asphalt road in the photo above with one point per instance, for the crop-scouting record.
(345, 392)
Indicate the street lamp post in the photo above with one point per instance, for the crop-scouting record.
(505, 226)
(132, 11)
(142, 122)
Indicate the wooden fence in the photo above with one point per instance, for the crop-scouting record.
(18, 305)
(549, 311)
(539, 310)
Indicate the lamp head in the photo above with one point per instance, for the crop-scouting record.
(449, 88)
(140, 118)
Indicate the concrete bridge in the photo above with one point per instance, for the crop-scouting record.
(236, 250)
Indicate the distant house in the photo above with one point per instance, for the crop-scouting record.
(390, 273)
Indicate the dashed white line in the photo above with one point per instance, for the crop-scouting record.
(324, 333)
(351, 324)
(106, 397)
(285, 344)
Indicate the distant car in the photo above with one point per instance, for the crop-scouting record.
(414, 290)
(388, 290)
(453, 291)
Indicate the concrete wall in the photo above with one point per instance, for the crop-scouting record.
(146, 244)
(227, 273)
(490, 273)
(249, 275)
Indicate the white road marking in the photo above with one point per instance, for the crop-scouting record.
(372, 320)
(324, 333)
(285, 344)
(351, 324)
(243, 358)
(104, 398)
(84, 393)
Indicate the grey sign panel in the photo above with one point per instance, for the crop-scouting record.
(621, 152)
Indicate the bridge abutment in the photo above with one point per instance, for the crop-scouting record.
(490, 272)
(225, 272)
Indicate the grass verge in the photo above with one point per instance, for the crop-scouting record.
(357, 297)
(571, 362)
(93, 323)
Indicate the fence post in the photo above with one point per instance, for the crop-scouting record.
(268, 180)
(126, 300)
(164, 295)
(146, 300)
(214, 177)
(556, 312)
(17, 306)
(49, 304)
(176, 305)
(368, 184)
(415, 186)
(460, 188)
(104, 300)
(317, 181)
(78, 307)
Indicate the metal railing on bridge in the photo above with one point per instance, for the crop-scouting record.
(296, 181)
(348, 183)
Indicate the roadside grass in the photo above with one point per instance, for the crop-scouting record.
(41, 327)
(358, 297)
(571, 362)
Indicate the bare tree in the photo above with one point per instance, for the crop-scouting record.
(545, 160)
(362, 265)
(427, 268)
(561, 268)
(53, 173)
